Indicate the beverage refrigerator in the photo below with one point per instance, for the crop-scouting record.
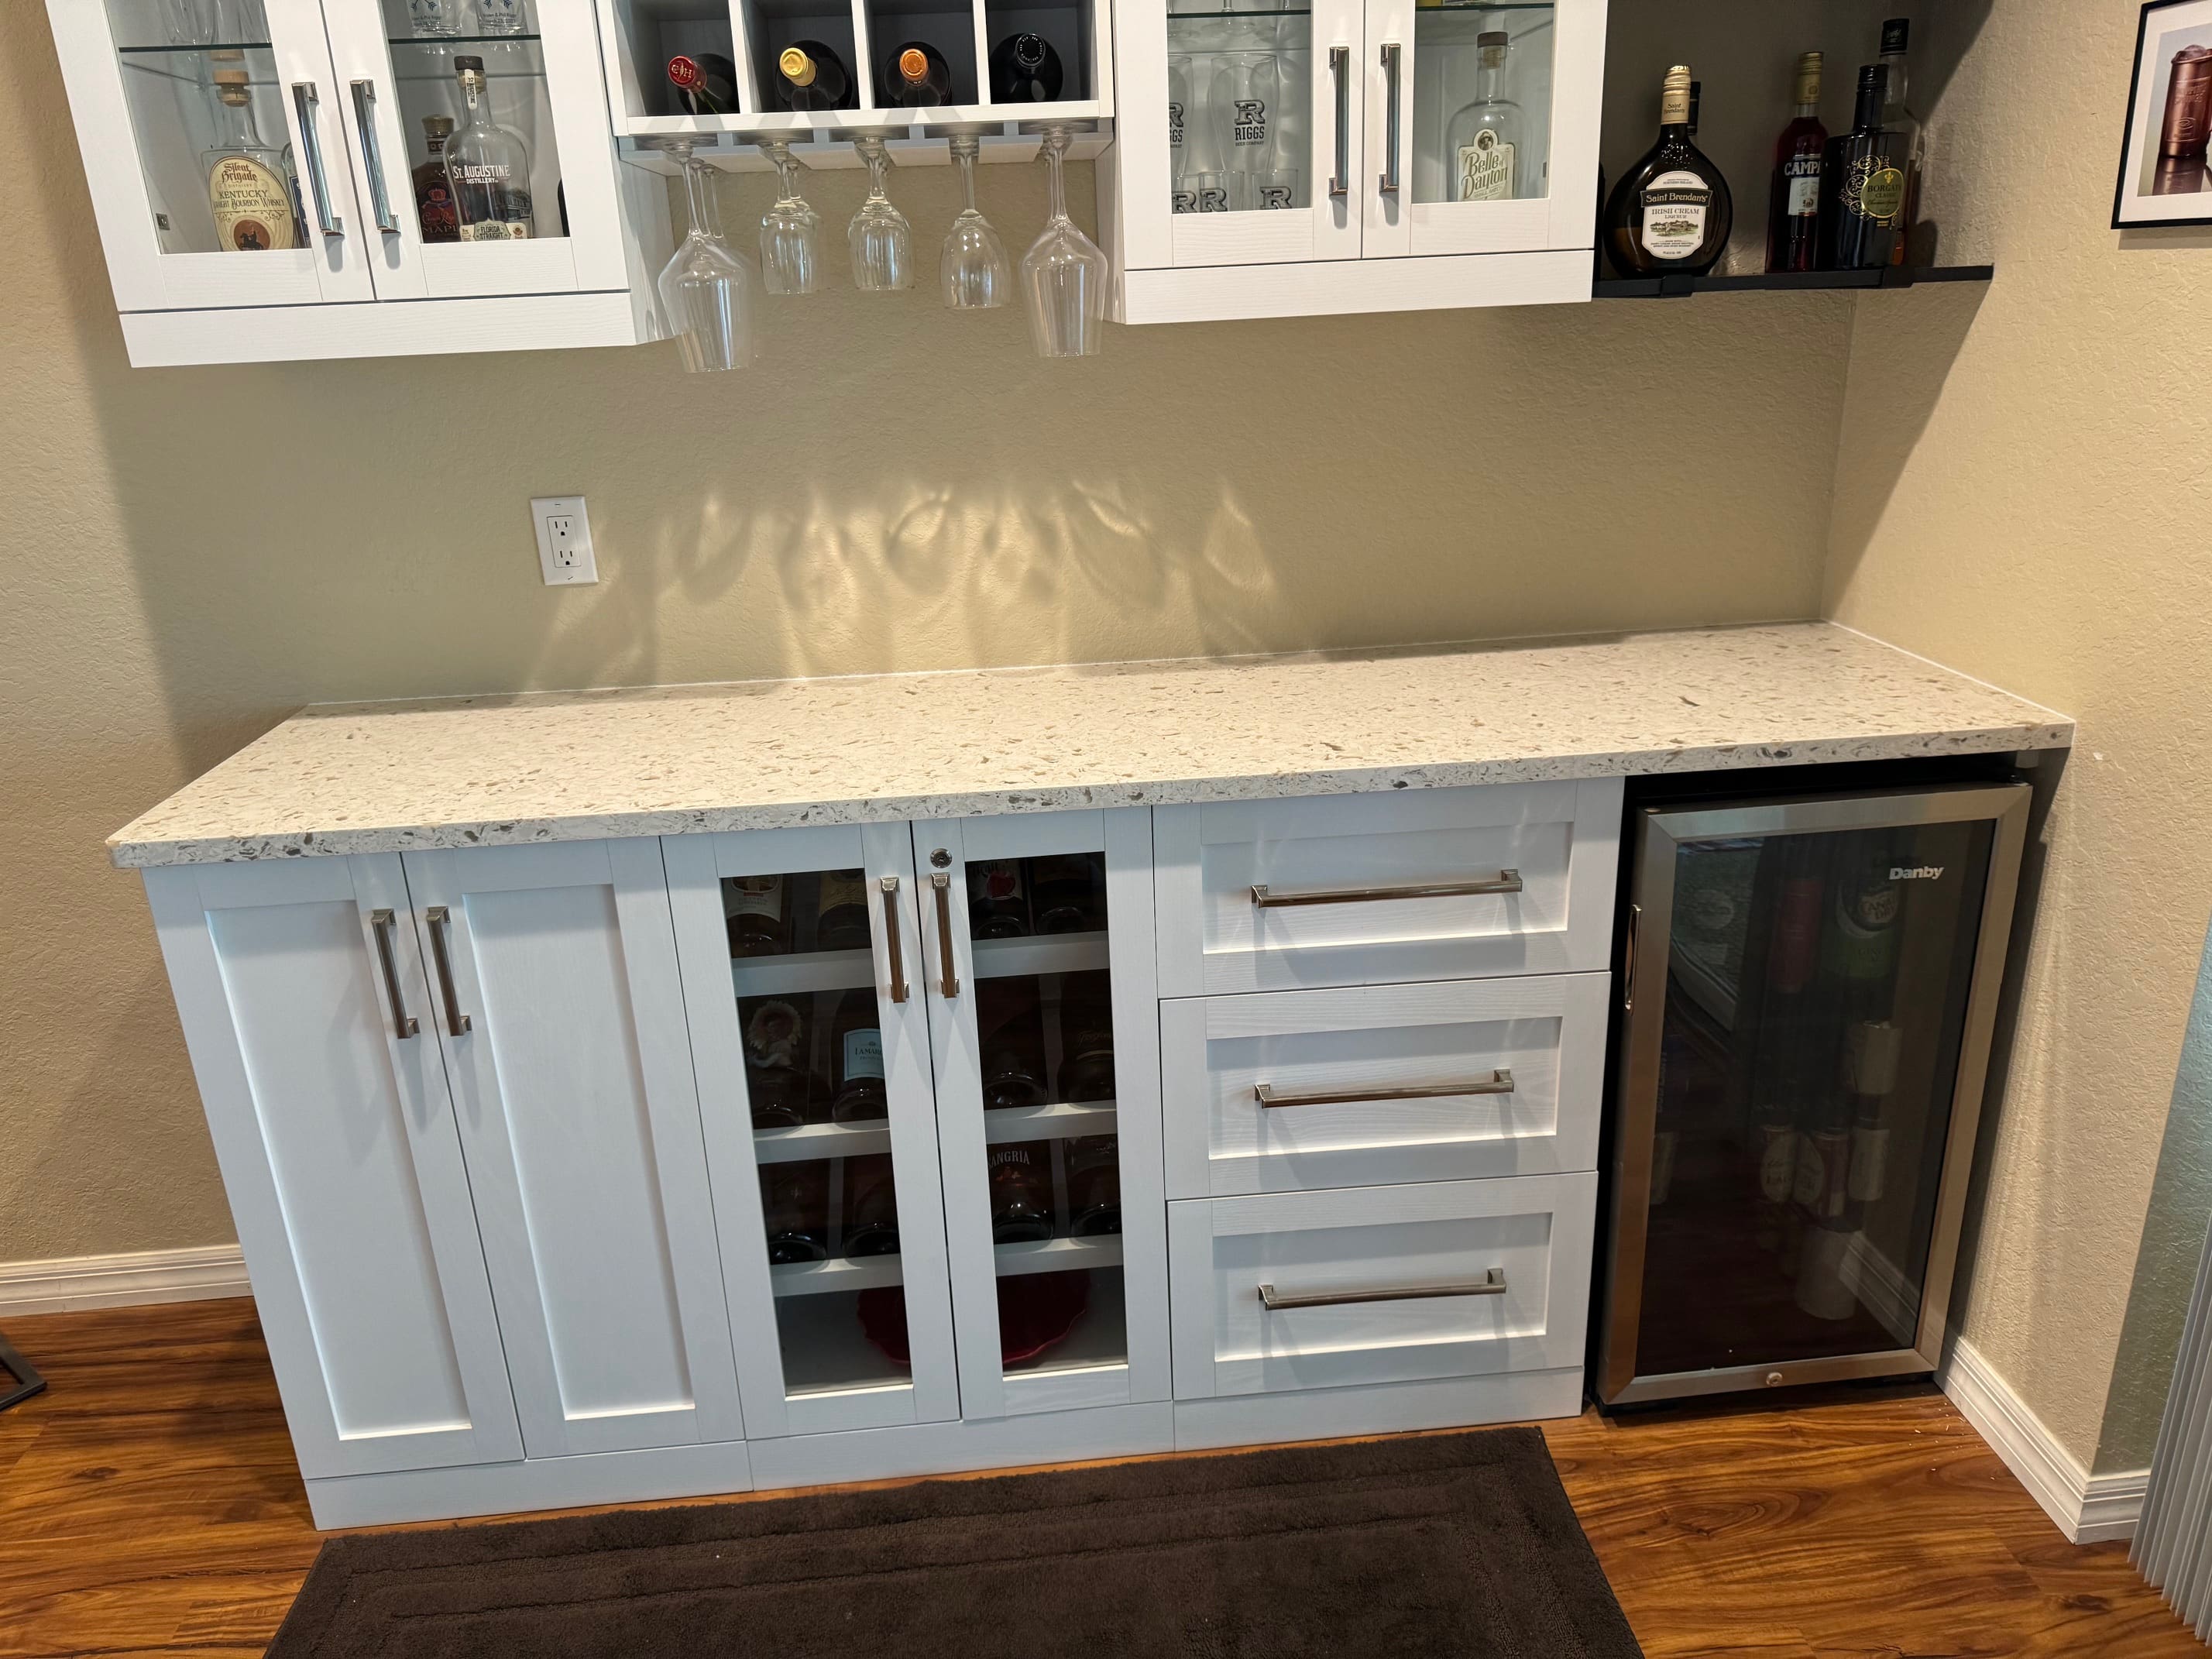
(1808, 986)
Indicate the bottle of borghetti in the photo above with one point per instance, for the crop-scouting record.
(489, 166)
(1863, 185)
(249, 186)
(1672, 211)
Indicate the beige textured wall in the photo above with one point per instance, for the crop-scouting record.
(2023, 493)
(198, 551)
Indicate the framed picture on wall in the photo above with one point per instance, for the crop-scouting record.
(2163, 175)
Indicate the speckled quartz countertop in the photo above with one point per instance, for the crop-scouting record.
(568, 766)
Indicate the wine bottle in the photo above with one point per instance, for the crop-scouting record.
(776, 1062)
(1021, 1193)
(1912, 134)
(841, 918)
(706, 84)
(795, 1205)
(856, 1049)
(811, 75)
(1094, 1186)
(1025, 69)
(917, 77)
(752, 914)
(998, 900)
(1012, 1044)
(1793, 208)
(1861, 185)
(1066, 893)
(1086, 1037)
(1672, 211)
(871, 1206)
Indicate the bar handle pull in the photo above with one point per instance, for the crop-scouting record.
(1265, 898)
(1628, 968)
(403, 1024)
(364, 117)
(438, 917)
(1493, 1283)
(950, 983)
(1389, 184)
(891, 938)
(1340, 69)
(1499, 1082)
(307, 103)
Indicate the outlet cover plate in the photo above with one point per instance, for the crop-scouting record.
(564, 540)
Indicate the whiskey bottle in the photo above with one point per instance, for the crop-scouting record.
(776, 1062)
(857, 1052)
(1484, 139)
(489, 166)
(998, 901)
(433, 191)
(1094, 1186)
(811, 75)
(752, 912)
(871, 1206)
(1861, 185)
(1793, 208)
(250, 185)
(1021, 1192)
(795, 1205)
(1672, 211)
(1025, 69)
(918, 78)
(706, 84)
(1911, 134)
(841, 913)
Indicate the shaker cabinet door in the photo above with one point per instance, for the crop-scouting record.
(307, 1016)
(558, 1006)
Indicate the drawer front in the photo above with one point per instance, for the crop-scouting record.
(1528, 1239)
(1362, 889)
(1382, 1083)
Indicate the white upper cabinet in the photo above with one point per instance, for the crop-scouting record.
(1335, 155)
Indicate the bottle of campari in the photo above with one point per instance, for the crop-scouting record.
(1672, 212)
(1793, 209)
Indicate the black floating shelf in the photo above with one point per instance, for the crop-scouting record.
(1675, 287)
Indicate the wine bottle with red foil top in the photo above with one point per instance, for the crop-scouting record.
(706, 84)
(1793, 210)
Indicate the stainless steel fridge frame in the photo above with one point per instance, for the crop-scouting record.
(1660, 829)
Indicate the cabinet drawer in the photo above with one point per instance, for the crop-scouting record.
(1382, 1083)
(1379, 1255)
(1360, 890)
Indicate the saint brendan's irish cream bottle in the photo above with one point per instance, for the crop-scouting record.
(1672, 212)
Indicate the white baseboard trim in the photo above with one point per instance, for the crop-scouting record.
(2089, 1509)
(73, 1284)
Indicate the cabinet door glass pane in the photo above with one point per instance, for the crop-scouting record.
(1816, 997)
(807, 1011)
(1044, 1026)
(207, 115)
(1481, 107)
(1239, 126)
(481, 163)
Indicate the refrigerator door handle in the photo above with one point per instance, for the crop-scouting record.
(1628, 969)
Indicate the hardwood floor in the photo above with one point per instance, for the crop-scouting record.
(148, 1505)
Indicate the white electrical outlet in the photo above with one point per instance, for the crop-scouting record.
(564, 540)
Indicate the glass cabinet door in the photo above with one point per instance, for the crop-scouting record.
(802, 981)
(1044, 1027)
(211, 138)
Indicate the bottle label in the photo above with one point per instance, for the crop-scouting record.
(253, 206)
(1002, 879)
(1778, 1161)
(1803, 173)
(1674, 207)
(840, 887)
(1875, 189)
(441, 221)
(772, 1034)
(1249, 123)
(755, 895)
(1486, 169)
(497, 230)
(864, 1054)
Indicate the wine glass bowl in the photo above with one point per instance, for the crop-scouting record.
(881, 241)
(1064, 274)
(790, 231)
(708, 293)
(975, 270)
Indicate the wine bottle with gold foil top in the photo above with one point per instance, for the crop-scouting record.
(811, 75)
(1672, 211)
(250, 188)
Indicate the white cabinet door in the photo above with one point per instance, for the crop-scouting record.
(802, 977)
(543, 84)
(562, 1016)
(307, 1014)
(144, 91)
(1037, 952)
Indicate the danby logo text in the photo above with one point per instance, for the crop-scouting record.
(1915, 872)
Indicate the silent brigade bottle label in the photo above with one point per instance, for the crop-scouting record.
(253, 206)
(1486, 169)
(864, 1052)
(1674, 207)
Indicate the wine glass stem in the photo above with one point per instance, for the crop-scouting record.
(876, 192)
(1054, 144)
(787, 178)
(968, 179)
(697, 177)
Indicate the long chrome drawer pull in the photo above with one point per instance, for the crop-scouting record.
(891, 938)
(1388, 184)
(1340, 66)
(949, 984)
(1499, 1082)
(372, 156)
(1265, 898)
(403, 1024)
(306, 103)
(456, 1022)
(1491, 1284)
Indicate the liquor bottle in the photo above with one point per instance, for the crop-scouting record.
(1094, 1186)
(1912, 134)
(1793, 208)
(795, 1204)
(752, 914)
(1672, 211)
(1021, 1192)
(1086, 1042)
(856, 1049)
(917, 77)
(998, 901)
(1696, 103)
(1013, 1047)
(1862, 186)
(776, 1062)
(489, 166)
(1066, 892)
(871, 1206)
(1483, 139)
(250, 185)
(811, 75)
(706, 84)
(1025, 69)
(841, 912)
(433, 192)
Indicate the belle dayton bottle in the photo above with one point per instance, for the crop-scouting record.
(1862, 184)
(1672, 212)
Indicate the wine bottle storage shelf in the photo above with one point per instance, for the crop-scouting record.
(1065, 1120)
(921, 144)
(837, 1273)
(1045, 953)
(807, 1141)
(1673, 287)
(808, 970)
(1057, 1255)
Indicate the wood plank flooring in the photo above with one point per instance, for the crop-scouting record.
(149, 1506)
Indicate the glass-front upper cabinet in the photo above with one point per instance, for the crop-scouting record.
(1037, 941)
(801, 968)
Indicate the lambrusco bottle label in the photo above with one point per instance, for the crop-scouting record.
(1486, 169)
(1675, 204)
(864, 1052)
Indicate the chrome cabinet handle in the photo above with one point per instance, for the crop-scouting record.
(891, 938)
(364, 117)
(1388, 186)
(305, 104)
(1340, 66)
(456, 1022)
(1628, 968)
(1491, 1284)
(1500, 1082)
(1265, 898)
(403, 1024)
(949, 984)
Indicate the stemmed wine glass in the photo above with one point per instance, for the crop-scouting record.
(1064, 274)
(790, 231)
(707, 291)
(882, 242)
(975, 272)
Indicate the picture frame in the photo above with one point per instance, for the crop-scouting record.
(2166, 177)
